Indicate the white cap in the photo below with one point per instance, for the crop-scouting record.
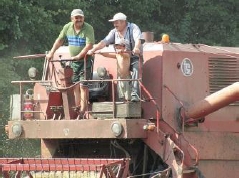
(77, 12)
(118, 16)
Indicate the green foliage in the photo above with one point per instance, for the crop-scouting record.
(31, 26)
(204, 21)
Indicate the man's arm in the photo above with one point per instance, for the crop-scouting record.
(56, 45)
(96, 47)
(109, 39)
(136, 36)
(137, 47)
(108, 55)
(83, 52)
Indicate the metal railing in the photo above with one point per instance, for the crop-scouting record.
(21, 83)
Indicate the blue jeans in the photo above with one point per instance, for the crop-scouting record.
(134, 68)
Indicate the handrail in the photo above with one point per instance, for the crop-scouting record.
(105, 80)
(167, 130)
(21, 94)
(30, 81)
(46, 66)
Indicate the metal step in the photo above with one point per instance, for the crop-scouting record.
(116, 110)
(189, 170)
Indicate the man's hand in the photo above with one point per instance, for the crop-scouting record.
(120, 51)
(49, 56)
(75, 58)
(91, 52)
(136, 50)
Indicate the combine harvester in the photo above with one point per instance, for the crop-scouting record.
(185, 126)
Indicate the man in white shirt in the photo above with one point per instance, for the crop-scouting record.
(132, 34)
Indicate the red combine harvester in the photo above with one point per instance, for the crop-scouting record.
(186, 124)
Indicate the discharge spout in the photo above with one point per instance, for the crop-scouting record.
(213, 102)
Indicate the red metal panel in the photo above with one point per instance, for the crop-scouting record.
(219, 168)
(42, 103)
(215, 145)
(48, 147)
(109, 63)
(152, 80)
(187, 89)
(91, 128)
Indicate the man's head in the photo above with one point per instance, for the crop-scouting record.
(77, 17)
(119, 21)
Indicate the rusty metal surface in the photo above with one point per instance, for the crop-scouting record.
(156, 141)
(92, 128)
(219, 168)
(122, 110)
(165, 147)
(215, 145)
(41, 99)
(152, 80)
(49, 147)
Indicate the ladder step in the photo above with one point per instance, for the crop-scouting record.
(189, 170)
(122, 110)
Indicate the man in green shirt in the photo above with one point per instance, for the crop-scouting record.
(80, 36)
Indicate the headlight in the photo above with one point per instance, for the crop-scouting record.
(116, 128)
(101, 71)
(17, 129)
(32, 73)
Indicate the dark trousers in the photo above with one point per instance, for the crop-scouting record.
(134, 68)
